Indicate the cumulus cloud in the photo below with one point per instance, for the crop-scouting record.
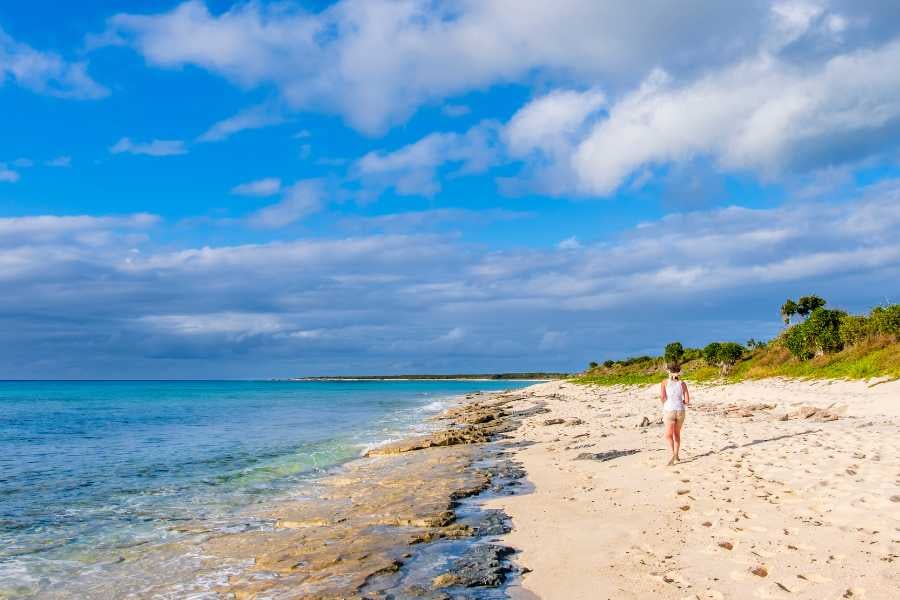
(762, 115)
(413, 169)
(255, 117)
(46, 72)
(261, 187)
(376, 61)
(152, 148)
(423, 302)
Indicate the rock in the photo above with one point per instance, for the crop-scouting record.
(605, 456)
(554, 421)
(811, 413)
(759, 571)
(573, 422)
(726, 545)
(482, 565)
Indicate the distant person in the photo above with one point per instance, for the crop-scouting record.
(674, 395)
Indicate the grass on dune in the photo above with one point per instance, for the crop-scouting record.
(874, 357)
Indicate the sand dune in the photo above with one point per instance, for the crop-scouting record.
(787, 489)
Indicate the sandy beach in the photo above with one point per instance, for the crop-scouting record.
(786, 489)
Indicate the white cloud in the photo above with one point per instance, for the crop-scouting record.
(7, 174)
(412, 169)
(455, 110)
(762, 115)
(152, 148)
(46, 229)
(549, 123)
(261, 187)
(256, 117)
(376, 61)
(60, 161)
(303, 305)
(570, 243)
(46, 72)
(299, 200)
(23, 163)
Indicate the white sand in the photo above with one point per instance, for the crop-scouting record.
(814, 504)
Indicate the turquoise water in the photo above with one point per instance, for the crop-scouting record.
(89, 470)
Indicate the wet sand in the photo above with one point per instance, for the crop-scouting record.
(786, 489)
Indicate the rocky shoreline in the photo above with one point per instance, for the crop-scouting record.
(402, 522)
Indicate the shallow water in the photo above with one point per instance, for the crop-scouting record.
(94, 471)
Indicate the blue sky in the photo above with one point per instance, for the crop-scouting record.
(255, 189)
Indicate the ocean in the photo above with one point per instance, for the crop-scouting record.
(91, 472)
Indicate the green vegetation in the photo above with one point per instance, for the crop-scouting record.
(825, 343)
(674, 353)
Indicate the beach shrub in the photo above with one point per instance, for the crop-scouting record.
(729, 354)
(819, 334)
(885, 320)
(825, 330)
(854, 329)
(788, 310)
(608, 363)
(692, 354)
(795, 340)
(674, 353)
(723, 355)
(807, 304)
(711, 353)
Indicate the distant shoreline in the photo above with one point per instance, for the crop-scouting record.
(479, 377)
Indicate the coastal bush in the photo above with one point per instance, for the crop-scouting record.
(609, 363)
(854, 329)
(592, 365)
(885, 320)
(692, 354)
(819, 334)
(723, 355)
(729, 354)
(711, 353)
(674, 353)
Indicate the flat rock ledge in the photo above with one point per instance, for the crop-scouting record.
(351, 538)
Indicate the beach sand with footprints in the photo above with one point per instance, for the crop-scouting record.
(786, 489)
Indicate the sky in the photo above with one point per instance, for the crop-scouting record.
(217, 189)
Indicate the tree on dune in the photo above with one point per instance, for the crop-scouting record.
(788, 310)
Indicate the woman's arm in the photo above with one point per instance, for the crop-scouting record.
(662, 392)
(687, 394)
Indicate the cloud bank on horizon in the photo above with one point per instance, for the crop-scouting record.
(276, 188)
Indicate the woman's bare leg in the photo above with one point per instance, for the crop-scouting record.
(676, 439)
(670, 434)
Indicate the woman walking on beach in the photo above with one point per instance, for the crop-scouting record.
(675, 397)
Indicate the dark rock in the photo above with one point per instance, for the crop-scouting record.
(605, 456)
(481, 566)
(554, 421)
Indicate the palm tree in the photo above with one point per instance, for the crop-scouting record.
(788, 310)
